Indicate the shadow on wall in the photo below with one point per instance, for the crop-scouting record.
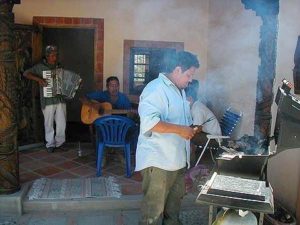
(296, 71)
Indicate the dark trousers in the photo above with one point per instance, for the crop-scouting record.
(163, 191)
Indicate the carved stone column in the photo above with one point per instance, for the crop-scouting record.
(268, 10)
(9, 162)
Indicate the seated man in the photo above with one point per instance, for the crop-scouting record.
(116, 100)
(112, 95)
(202, 116)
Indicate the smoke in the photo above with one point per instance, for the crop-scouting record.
(161, 20)
(233, 60)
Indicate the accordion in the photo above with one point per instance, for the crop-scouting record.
(61, 82)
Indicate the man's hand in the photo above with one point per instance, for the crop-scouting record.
(42, 82)
(84, 100)
(187, 132)
(198, 128)
(88, 102)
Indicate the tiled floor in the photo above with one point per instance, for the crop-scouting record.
(37, 163)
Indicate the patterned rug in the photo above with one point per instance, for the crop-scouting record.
(96, 187)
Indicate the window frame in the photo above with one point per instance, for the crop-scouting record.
(133, 52)
(130, 44)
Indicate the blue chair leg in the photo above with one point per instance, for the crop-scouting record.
(133, 145)
(128, 161)
(100, 153)
(97, 144)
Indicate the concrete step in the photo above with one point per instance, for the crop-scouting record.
(85, 204)
(101, 211)
(13, 203)
(18, 203)
(129, 202)
(188, 216)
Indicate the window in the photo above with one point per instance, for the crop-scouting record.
(142, 63)
(140, 70)
(145, 65)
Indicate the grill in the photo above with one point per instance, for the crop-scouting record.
(248, 166)
(288, 119)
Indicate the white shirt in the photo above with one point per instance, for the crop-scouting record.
(162, 101)
(200, 114)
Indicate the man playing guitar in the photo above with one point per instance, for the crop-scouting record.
(110, 101)
(112, 95)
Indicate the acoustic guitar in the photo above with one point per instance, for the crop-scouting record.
(93, 110)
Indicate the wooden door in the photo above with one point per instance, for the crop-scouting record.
(30, 119)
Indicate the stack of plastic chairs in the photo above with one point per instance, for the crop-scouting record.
(228, 123)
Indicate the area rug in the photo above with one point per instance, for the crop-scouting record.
(96, 187)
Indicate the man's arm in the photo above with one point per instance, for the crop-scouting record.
(84, 100)
(36, 78)
(96, 95)
(184, 131)
(127, 103)
(87, 101)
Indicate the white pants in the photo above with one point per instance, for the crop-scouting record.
(58, 114)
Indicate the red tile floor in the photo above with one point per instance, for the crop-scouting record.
(37, 163)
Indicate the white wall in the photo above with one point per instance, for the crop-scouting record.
(155, 20)
(233, 60)
(231, 77)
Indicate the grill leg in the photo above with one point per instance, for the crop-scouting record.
(261, 219)
(210, 214)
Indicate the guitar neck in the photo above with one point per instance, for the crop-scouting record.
(121, 111)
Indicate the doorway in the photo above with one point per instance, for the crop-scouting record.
(80, 42)
(75, 53)
(88, 60)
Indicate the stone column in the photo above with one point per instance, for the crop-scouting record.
(9, 160)
(268, 11)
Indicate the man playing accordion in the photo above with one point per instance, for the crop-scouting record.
(53, 108)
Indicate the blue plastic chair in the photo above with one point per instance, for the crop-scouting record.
(112, 131)
(228, 123)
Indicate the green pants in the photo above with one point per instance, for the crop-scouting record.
(163, 191)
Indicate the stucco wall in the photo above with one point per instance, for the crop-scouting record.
(156, 20)
(233, 60)
(232, 75)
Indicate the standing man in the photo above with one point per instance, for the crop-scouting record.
(53, 108)
(112, 95)
(163, 149)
